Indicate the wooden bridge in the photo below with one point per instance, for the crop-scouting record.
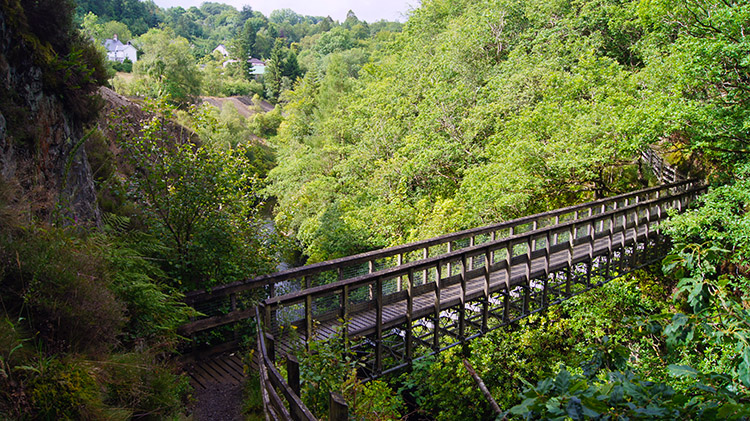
(400, 304)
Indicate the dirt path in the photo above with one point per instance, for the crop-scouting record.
(220, 402)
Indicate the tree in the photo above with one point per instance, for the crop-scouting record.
(697, 76)
(169, 66)
(351, 20)
(274, 71)
(201, 201)
(244, 45)
(291, 66)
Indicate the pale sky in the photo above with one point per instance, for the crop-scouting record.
(367, 10)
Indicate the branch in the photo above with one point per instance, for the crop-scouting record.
(483, 388)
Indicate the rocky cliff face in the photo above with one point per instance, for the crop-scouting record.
(41, 153)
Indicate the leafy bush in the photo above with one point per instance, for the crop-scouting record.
(153, 309)
(373, 401)
(149, 389)
(201, 202)
(596, 331)
(62, 390)
(126, 66)
(325, 368)
(442, 388)
(60, 283)
(625, 396)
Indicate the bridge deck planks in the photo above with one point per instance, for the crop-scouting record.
(363, 323)
(226, 368)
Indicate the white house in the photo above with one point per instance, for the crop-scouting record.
(222, 50)
(117, 51)
(258, 66)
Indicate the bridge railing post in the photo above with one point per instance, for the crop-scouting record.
(292, 373)
(409, 319)
(309, 324)
(379, 325)
(400, 280)
(344, 313)
(233, 306)
(486, 291)
(471, 259)
(462, 299)
(527, 280)
(450, 265)
(338, 410)
(436, 321)
(270, 346)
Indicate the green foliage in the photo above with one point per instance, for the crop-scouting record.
(617, 395)
(146, 387)
(68, 302)
(71, 67)
(99, 31)
(712, 281)
(597, 331)
(126, 66)
(331, 366)
(477, 112)
(63, 391)
(252, 398)
(696, 76)
(442, 387)
(202, 202)
(374, 401)
(168, 67)
(139, 16)
(223, 81)
(60, 284)
(154, 311)
(326, 367)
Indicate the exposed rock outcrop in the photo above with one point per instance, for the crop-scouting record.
(41, 151)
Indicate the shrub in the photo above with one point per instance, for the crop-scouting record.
(149, 389)
(60, 283)
(63, 390)
(374, 401)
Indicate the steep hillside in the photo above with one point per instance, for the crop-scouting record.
(47, 76)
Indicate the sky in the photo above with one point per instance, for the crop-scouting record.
(367, 10)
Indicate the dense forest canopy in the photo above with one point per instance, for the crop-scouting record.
(366, 135)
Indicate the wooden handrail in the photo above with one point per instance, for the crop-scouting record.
(271, 380)
(618, 232)
(316, 268)
(416, 266)
(420, 265)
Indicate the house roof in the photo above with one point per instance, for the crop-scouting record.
(114, 45)
(256, 62)
(221, 48)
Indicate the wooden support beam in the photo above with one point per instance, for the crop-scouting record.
(309, 325)
(508, 268)
(482, 387)
(399, 281)
(345, 315)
